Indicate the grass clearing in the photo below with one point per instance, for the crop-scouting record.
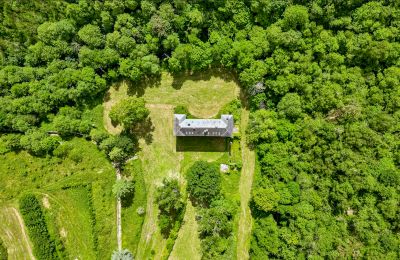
(162, 155)
(202, 93)
(70, 216)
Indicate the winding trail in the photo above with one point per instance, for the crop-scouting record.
(246, 181)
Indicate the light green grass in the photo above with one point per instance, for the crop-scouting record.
(131, 221)
(21, 172)
(70, 216)
(12, 234)
(246, 182)
(187, 245)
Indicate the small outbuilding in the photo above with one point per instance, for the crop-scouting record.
(222, 127)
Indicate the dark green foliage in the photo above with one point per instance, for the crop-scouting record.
(43, 245)
(3, 251)
(38, 142)
(118, 147)
(204, 182)
(171, 206)
(215, 228)
(232, 108)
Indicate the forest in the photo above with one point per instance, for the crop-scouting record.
(321, 79)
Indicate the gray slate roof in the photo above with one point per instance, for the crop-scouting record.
(203, 127)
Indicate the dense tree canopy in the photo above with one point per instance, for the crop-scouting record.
(322, 79)
(204, 182)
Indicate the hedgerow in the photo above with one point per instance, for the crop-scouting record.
(43, 245)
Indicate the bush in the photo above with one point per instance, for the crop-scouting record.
(183, 110)
(232, 108)
(63, 150)
(140, 211)
(98, 135)
(43, 245)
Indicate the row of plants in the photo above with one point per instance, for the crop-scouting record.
(171, 205)
(3, 251)
(44, 246)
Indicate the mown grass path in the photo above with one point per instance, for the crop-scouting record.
(246, 181)
(15, 236)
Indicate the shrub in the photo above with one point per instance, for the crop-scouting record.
(232, 108)
(43, 245)
(181, 110)
(140, 211)
(123, 254)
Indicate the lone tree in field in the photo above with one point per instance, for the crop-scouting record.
(129, 112)
(204, 182)
(123, 188)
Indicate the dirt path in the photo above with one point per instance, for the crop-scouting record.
(27, 246)
(246, 181)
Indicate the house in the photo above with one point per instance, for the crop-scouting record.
(203, 127)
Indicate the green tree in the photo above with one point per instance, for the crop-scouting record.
(3, 251)
(123, 188)
(129, 112)
(170, 204)
(204, 182)
(290, 106)
(91, 36)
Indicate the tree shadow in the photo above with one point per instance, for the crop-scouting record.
(201, 144)
(180, 77)
(144, 130)
(138, 88)
(127, 201)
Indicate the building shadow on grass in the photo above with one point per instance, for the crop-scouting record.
(202, 144)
